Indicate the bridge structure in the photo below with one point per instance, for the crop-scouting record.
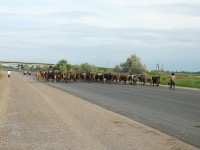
(27, 63)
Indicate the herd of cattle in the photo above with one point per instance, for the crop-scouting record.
(57, 76)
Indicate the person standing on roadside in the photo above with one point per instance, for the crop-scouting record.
(9, 73)
(172, 81)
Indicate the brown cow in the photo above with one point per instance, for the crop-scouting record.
(90, 77)
(66, 77)
(149, 80)
(132, 79)
(142, 79)
(55, 75)
(135, 79)
(83, 76)
(123, 78)
(73, 77)
(78, 77)
(115, 78)
(38, 75)
(45, 75)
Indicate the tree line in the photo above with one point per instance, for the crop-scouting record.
(132, 65)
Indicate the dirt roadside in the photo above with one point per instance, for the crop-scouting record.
(36, 116)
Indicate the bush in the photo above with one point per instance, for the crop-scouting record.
(164, 80)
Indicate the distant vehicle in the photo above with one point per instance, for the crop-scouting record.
(25, 72)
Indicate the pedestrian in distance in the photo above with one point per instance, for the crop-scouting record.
(9, 73)
(172, 81)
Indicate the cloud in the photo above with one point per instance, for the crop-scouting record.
(142, 3)
(82, 31)
(191, 9)
(72, 14)
(82, 35)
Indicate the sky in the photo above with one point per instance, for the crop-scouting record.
(103, 33)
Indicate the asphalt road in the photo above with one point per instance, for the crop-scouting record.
(175, 112)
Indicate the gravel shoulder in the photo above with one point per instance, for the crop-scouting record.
(36, 116)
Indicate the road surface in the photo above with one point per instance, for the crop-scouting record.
(36, 116)
(176, 113)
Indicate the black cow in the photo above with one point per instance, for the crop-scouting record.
(156, 80)
(99, 77)
(108, 77)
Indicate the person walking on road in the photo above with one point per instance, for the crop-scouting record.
(172, 81)
(9, 73)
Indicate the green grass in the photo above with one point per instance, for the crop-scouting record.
(183, 79)
(102, 69)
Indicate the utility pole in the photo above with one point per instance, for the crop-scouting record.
(158, 67)
(162, 68)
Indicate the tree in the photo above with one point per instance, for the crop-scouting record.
(76, 68)
(117, 68)
(88, 68)
(18, 66)
(26, 67)
(45, 68)
(133, 65)
(62, 62)
(22, 66)
(62, 65)
(38, 68)
(63, 68)
(31, 68)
